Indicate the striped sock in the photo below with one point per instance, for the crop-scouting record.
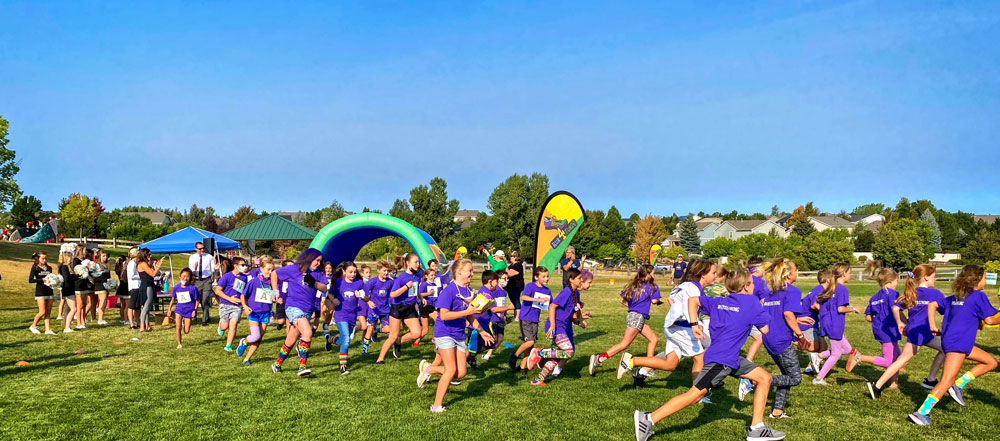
(964, 379)
(929, 402)
(343, 359)
(282, 354)
(303, 352)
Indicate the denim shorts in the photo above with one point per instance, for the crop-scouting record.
(450, 343)
(294, 314)
(260, 317)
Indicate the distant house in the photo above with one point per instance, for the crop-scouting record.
(156, 217)
(988, 218)
(874, 226)
(822, 223)
(671, 240)
(867, 218)
(783, 220)
(462, 216)
(706, 229)
(735, 229)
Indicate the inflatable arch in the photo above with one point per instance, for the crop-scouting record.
(343, 238)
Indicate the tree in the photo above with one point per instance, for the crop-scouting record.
(634, 218)
(433, 212)
(670, 222)
(869, 209)
(649, 231)
(967, 228)
(9, 191)
(77, 212)
(901, 244)
(516, 202)
(718, 247)
(825, 248)
(775, 211)
(922, 205)
(194, 215)
(928, 217)
(486, 229)
(904, 209)
(609, 251)
(758, 244)
(25, 209)
(984, 247)
(689, 235)
(614, 229)
(802, 228)
(799, 223)
(949, 230)
(243, 216)
(588, 239)
(864, 240)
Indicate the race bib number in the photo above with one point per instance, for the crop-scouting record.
(319, 294)
(264, 295)
(433, 290)
(239, 286)
(412, 291)
(284, 287)
(183, 297)
(501, 301)
(360, 293)
(437, 281)
(542, 303)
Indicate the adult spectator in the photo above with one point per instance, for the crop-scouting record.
(680, 267)
(202, 265)
(515, 282)
(498, 262)
(570, 261)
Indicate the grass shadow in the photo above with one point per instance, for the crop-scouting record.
(55, 361)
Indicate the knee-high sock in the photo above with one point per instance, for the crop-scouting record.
(282, 354)
(303, 352)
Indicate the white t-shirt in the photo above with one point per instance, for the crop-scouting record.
(679, 308)
(132, 272)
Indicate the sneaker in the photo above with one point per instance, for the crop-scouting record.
(246, 363)
(437, 409)
(745, 387)
(815, 362)
(874, 391)
(329, 346)
(783, 415)
(471, 361)
(624, 365)
(364, 349)
(49, 332)
(34, 330)
(705, 400)
(102, 322)
(956, 394)
(853, 359)
(380, 362)
(278, 327)
(556, 371)
(537, 383)
(820, 382)
(67, 331)
(647, 372)
(808, 371)
(455, 382)
(512, 361)
(397, 350)
(242, 347)
(59, 318)
(423, 377)
(180, 346)
(81, 327)
(228, 348)
(920, 419)
(929, 384)
(764, 433)
(220, 331)
(638, 380)
(533, 358)
(303, 371)
(275, 368)
(592, 366)
(485, 357)
(351, 338)
(524, 371)
(643, 426)
(343, 370)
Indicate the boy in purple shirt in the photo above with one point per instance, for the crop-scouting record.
(377, 296)
(186, 296)
(534, 298)
(491, 319)
(731, 319)
(229, 289)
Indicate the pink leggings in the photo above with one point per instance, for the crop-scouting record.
(838, 348)
(890, 351)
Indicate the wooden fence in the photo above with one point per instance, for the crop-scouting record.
(113, 243)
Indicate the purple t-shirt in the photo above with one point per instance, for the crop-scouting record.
(297, 294)
(832, 323)
(185, 308)
(363, 308)
(642, 298)
(408, 297)
(565, 307)
(731, 318)
(779, 335)
(760, 288)
(255, 285)
(961, 321)
(884, 326)
(432, 288)
(918, 330)
(528, 312)
(451, 299)
(347, 294)
(378, 292)
(500, 293)
(320, 296)
(805, 310)
(233, 286)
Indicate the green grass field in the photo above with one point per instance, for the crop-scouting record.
(147, 389)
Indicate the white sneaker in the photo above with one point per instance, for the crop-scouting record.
(485, 357)
(67, 331)
(81, 327)
(820, 382)
(34, 330)
(179, 346)
(49, 332)
(624, 365)
(815, 362)
(745, 387)
(102, 322)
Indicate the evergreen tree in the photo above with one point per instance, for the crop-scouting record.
(689, 235)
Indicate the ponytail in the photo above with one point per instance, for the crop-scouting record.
(642, 276)
(909, 297)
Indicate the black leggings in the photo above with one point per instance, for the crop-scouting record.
(514, 294)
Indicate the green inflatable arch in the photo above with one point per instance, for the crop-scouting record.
(343, 238)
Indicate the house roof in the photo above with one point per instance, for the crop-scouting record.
(467, 213)
(832, 221)
(273, 227)
(874, 226)
(156, 217)
(745, 224)
(702, 224)
(988, 218)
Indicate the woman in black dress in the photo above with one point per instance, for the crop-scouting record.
(43, 293)
(68, 288)
(515, 282)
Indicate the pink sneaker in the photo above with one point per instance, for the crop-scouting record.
(534, 358)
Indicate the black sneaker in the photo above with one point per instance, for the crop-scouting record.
(874, 391)
(329, 346)
(638, 380)
(397, 350)
(380, 362)
(278, 327)
(524, 371)
(929, 384)
(344, 371)
(512, 361)
(472, 362)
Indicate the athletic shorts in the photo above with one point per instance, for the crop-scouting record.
(377, 320)
(44, 297)
(188, 315)
(634, 320)
(294, 314)
(403, 311)
(681, 341)
(810, 334)
(279, 311)
(529, 330)
(230, 312)
(754, 331)
(260, 317)
(714, 374)
(496, 330)
(424, 311)
(449, 343)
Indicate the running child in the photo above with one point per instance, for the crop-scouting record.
(963, 312)
(834, 304)
(918, 295)
(229, 289)
(497, 317)
(302, 287)
(563, 313)
(377, 296)
(809, 308)
(535, 298)
(365, 273)
(781, 304)
(347, 289)
(427, 290)
(731, 318)
(884, 315)
(403, 309)
(639, 293)
(43, 293)
(186, 297)
(257, 305)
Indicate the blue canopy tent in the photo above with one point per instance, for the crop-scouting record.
(182, 241)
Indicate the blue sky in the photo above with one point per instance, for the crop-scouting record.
(657, 108)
